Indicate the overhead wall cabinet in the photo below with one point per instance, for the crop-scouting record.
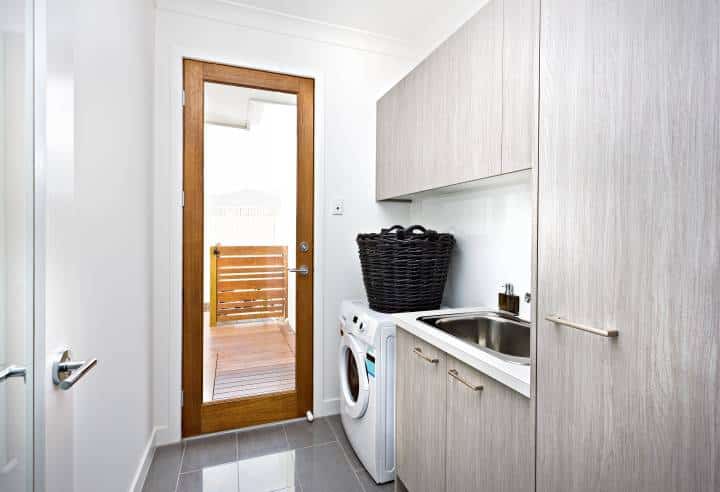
(468, 111)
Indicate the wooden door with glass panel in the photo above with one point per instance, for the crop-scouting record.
(247, 247)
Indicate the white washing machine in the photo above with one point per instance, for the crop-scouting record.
(367, 386)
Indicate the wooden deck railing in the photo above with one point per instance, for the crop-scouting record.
(248, 282)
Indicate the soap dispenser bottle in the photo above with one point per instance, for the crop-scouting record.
(507, 300)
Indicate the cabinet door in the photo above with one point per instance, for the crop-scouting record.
(629, 214)
(420, 421)
(442, 124)
(521, 26)
(489, 434)
(462, 130)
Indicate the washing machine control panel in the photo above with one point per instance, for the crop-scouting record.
(362, 322)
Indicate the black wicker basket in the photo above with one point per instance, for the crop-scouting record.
(405, 269)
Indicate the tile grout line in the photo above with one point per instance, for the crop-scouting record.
(357, 477)
(179, 470)
(347, 457)
(287, 439)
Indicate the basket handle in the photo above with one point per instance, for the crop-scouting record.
(426, 233)
(416, 227)
(394, 228)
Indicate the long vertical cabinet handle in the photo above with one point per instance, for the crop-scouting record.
(554, 318)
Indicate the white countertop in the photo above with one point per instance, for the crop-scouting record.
(514, 376)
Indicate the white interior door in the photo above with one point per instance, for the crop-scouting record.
(16, 246)
(55, 89)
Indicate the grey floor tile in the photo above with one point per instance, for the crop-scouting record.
(337, 428)
(221, 478)
(267, 473)
(302, 434)
(369, 485)
(209, 451)
(163, 473)
(259, 442)
(325, 469)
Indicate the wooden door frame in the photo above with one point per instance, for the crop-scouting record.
(199, 417)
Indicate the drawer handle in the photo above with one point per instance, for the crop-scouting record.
(554, 318)
(418, 351)
(456, 375)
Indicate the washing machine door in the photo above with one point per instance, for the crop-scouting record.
(353, 377)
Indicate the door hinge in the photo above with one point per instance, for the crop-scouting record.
(183, 98)
(182, 398)
(182, 198)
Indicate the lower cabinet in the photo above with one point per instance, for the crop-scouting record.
(489, 434)
(457, 429)
(420, 421)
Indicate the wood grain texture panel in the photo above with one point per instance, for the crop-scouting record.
(250, 314)
(249, 359)
(232, 296)
(216, 416)
(629, 213)
(193, 118)
(305, 232)
(489, 435)
(252, 284)
(265, 303)
(521, 30)
(442, 124)
(248, 261)
(272, 251)
(420, 421)
(256, 410)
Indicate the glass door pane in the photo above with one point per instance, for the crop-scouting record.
(250, 190)
(16, 245)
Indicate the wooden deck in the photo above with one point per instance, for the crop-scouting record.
(248, 359)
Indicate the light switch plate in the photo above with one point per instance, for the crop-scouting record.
(338, 207)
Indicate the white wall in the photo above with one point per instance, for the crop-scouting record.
(98, 275)
(351, 72)
(492, 223)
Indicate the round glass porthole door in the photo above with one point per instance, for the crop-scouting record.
(353, 377)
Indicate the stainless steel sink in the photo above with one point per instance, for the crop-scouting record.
(498, 333)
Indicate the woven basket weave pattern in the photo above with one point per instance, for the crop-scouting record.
(405, 269)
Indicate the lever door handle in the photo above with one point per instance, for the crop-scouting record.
(302, 270)
(66, 372)
(13, 372)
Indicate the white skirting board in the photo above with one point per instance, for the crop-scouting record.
(145, 462)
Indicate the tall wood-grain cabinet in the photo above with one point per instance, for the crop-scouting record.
(468, 111)
(629, 240)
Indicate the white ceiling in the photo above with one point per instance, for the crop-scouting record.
(419, 22)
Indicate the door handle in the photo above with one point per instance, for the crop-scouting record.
(13, 372)
(302, 270)
(66, 372)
